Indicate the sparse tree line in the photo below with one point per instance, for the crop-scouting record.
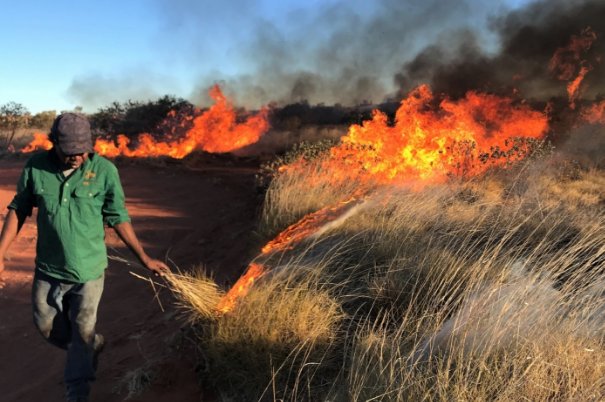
(14, 116)
(129, 118)
(169, 116)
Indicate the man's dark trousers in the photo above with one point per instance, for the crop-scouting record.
(65, 313)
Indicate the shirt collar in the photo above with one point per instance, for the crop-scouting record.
(54, 159)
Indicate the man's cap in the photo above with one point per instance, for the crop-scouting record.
(71, 133)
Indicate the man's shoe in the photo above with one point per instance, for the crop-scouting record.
(98, 347)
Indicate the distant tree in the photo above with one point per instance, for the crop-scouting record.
(43, 120)
(76, 109)
(13, 116)
(108, 119)
(133, 117)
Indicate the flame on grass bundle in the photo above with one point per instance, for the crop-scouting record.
(197, 293)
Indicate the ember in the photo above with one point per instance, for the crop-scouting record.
(567, 60)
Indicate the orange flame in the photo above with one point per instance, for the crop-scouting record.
(304, 228)
(241, 287)
(573, 87)
(308, 225)
(216, 130)
(427, 144)
(595, 113)
(564, 63)
(40, 142)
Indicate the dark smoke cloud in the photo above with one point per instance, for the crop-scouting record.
(528, 39)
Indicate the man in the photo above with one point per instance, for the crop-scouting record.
(76, 191)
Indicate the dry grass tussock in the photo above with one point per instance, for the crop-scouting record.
(299, 192)
(488, 289)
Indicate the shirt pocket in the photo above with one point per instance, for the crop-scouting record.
(46, 198)
(89, 197)
(85, 213)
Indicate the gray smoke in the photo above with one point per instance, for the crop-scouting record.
(98, 90)
(351, 52)
(337, 52)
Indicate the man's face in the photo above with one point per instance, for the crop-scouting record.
(71, 161)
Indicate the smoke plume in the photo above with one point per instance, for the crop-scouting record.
(353, 52)
(528, 39)
(333, 52)
(343, 52)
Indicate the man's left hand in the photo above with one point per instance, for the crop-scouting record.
(157, 267)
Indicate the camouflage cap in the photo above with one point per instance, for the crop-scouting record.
(71, 133)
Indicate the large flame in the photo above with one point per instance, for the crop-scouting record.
(568, 65)
(428, 144)
(216, 130)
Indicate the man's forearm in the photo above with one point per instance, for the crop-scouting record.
(128, 236)
(10, 229)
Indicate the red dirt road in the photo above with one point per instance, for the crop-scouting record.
(203, 215)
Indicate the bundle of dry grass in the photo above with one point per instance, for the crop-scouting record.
(280, 325)
(196, 292)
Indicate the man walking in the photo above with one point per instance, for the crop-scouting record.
(76, 192)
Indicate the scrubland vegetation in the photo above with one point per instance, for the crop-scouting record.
(489, 288)
(485, 288)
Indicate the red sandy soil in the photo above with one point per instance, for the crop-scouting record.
(204, 215)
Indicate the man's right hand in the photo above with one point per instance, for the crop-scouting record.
(156, 266)
(10, 228)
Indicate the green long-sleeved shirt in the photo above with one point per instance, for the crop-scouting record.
(71, 213)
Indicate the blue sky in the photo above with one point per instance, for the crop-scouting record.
(56, 55)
